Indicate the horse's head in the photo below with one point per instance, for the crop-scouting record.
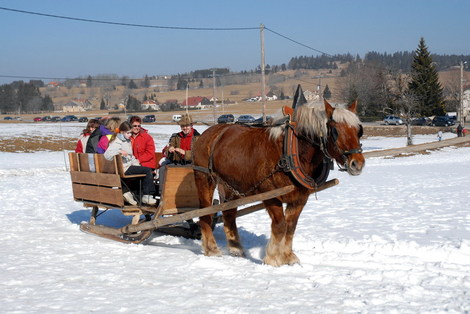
(343, 138)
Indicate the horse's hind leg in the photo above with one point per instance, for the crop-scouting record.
(205, 192)
(275, 249)
(231, 232)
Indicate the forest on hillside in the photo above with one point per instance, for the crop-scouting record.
(365, 79)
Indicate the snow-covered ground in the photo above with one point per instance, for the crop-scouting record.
(395, 239)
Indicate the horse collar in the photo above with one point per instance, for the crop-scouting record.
(290, 161)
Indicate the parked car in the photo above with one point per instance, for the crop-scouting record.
(246, 118)
(149, 118)
(177, 117)
(46, 118)
(226, 118)
(69, 118)
(55, 119)
(83, 119)
(421, 121)
(392, 120)
(442, 121)
(260, 120)
(8, 118)
(37, 119)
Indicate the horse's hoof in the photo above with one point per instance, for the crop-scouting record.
(292, 259)
(272, 261)
(215, 252)
(236, 251)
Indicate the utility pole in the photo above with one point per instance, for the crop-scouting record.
(263, 78)
(213, 93)
(460, 115)
(320, 93)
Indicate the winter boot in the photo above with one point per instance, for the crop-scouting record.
(129, 198)
(148, 199)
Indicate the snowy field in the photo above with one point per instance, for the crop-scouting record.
(395, 239)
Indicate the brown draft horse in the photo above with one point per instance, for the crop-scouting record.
(243, 160)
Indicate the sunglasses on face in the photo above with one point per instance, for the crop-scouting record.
(136, 126)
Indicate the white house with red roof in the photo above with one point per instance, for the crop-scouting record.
(150, 105)
(196, 102)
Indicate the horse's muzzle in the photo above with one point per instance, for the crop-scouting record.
(355, 165)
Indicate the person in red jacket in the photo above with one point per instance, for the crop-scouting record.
(143, 146)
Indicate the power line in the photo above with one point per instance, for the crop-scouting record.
(131, 24)
(163, 27)
(297, 42)
(148, 26)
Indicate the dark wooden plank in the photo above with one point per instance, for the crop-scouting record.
(97, 179)
(73, 161)
(98, 194)
(86, 162)
(105, 166)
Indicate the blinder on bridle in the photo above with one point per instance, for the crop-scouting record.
(333, 132)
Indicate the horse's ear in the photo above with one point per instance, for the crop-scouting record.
(352, 107)
(299, 98)
(328, 109)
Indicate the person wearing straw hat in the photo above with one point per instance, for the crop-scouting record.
(178, 150)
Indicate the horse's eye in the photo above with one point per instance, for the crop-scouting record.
(361, 131)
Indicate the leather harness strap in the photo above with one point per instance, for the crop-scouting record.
(290, 161)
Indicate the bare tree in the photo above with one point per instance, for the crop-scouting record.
(367, 84)
(404, 100)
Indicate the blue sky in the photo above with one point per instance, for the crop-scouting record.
(37, 46)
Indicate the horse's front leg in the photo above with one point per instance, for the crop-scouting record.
(231, 232)
(293, 211)
(275, 247)
(209, 246)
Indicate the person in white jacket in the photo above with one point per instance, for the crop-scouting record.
(120, 144)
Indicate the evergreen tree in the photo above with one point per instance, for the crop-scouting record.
(7, 98)
(133, 103)
(47, 104)
(132, 85)
(424, 84)
(27, 97)
(326, 92)
(89, 81)
(181, 84)
(102, 104)
(124, 81)
(146, 83)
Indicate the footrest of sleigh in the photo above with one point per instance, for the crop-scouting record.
(114, 234)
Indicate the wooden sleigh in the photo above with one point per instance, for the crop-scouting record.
(98, 184)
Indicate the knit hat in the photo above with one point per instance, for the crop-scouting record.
(185, 120)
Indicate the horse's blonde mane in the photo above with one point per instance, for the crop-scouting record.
(312, 120)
